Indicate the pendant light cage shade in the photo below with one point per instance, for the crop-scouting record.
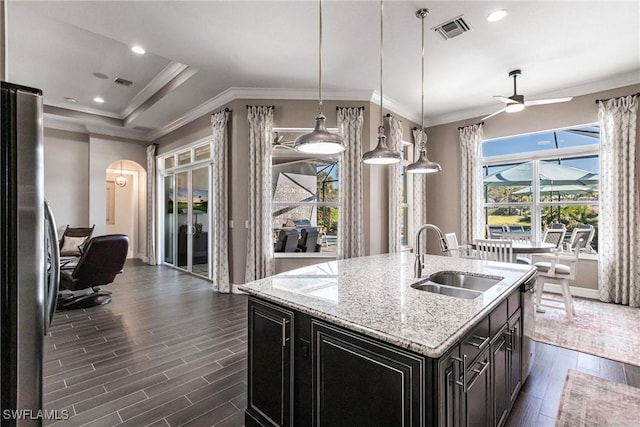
(423, 164)
(320, 140)
(121, 180)
(382, 154)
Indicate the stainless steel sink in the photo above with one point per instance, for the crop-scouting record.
(464, 281)
(436, 288)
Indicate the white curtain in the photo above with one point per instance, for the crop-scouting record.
(419, 190)
(151, 204)
(259, 239)
(395, 140)
(619, 219)
(220, 231)
(351, 242)
(471, 216)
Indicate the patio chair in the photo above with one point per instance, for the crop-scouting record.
(494, 231)
(515, 228)
(582, 231)
(554, 235)
(73, 240)
(494, 250)
(308, 241)
(287, 241)
(558, 269)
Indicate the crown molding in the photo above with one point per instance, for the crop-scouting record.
(396, 107)
(234, 93)
(53, 121)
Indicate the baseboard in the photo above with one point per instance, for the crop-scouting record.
(575, 291)
(143, 258)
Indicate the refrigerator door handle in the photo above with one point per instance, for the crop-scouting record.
(52, 277)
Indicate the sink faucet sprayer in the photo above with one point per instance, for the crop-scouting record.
(443, 245)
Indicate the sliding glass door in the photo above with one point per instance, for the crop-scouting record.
(187, 220)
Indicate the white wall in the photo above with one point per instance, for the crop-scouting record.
(66, 173)
(126, 207)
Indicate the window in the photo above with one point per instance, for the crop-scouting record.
(544, 178)
(406, 189)
(305, 195)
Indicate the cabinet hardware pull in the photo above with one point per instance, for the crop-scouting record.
(482, 344)
(284, 333)
(510, 342)
(462, 383)
(479, 372)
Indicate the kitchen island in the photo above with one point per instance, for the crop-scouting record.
(352, 342)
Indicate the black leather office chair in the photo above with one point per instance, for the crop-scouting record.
(74, 240)
(102, 259)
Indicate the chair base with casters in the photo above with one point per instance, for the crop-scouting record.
(102, 259)
(71, 301)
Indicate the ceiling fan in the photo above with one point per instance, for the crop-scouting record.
(516, 102)
(279, 142)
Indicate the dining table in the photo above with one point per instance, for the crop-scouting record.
(525, 247)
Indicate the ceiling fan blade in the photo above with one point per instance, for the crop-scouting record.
(493, 114)
(547, 101)
(504, 99)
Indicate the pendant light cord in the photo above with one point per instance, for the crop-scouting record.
(320, 58)
(422, 141)
(381, 65)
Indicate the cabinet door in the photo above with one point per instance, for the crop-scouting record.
(500, 377)
(477, 396)
(269, 394)
(514, 349)
(360, 381)
(449, 389)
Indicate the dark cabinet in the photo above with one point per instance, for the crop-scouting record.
(270, 357)
(500, 377)
(514, 348)
(449, 389)
(477, 392)
(359, 381)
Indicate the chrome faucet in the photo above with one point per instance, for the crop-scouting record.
(443, 245)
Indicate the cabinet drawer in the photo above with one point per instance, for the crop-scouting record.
(498, 318)
(476, 340)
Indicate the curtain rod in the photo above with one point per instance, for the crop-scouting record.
(267, 106)
(226, 109)
(462, 127)
(359, 108)
(617, 97)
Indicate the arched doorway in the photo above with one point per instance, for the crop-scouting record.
(123, 181)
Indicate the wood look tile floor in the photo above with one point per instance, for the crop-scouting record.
(168, 351)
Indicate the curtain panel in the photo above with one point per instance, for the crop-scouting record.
(419, 190)
(395, 140)
(471, 216)
(151, 204)
(351, 242)
(220, 231)
(260, 262)
(619, 223)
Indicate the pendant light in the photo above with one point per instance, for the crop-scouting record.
(381, 155)
(320, 141)
(121, 180)
(423, 164)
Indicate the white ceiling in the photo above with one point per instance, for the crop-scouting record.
(201, 54)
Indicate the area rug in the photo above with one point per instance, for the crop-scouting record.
(598, 328)
(591, 401)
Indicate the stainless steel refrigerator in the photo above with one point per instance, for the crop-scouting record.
(29, 258)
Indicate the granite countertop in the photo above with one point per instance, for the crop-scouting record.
(373, 295)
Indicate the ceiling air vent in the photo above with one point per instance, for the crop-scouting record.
(123, 82)
(452, 28)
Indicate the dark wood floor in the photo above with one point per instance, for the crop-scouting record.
(168, 351)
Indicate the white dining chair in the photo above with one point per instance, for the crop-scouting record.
(456, 250)
(494, 250)
(558, 268)
(519, 237)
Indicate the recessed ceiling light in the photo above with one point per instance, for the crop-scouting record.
(98, 100)
(69, 99)
(100, 75)
(497, 15)
(138, 49)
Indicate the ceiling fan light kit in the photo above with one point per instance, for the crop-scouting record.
(320, 140)
(381, 155)
(423, 164)
(516, 102)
